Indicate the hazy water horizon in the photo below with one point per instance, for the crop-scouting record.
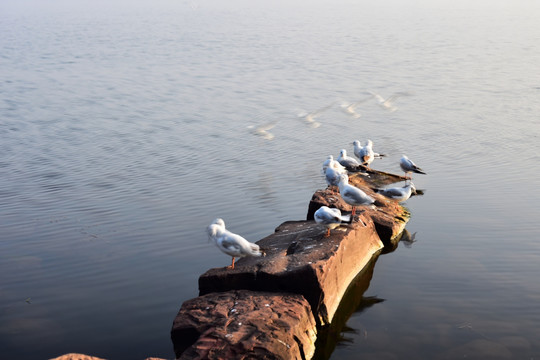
(125, 133)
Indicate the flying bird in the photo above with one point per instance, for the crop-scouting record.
(331, 218)
(262, 130)
(350, 108)
(309, 118)
(388, 103)
(231, 244)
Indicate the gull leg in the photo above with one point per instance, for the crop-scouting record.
(232, 265)
(327, 233)
(407, 177)
(353, 211)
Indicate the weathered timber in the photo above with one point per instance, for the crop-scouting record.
(243, 324)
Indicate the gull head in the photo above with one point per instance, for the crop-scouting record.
(213, 231)
(219, 222)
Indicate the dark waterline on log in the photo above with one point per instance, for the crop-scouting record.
(125, 132)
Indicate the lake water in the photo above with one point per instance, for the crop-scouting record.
(125, 132)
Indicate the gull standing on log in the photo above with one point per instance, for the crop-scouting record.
(333, 173)
(331, 218)
(366, 154)
(357, 148)
(347, 161)
(408, 166)
(353, 195)
(331, 162)
(230, 243)
(398, 193)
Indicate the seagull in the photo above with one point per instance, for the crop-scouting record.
(408, 166)
(353, 195)
(262, 130)
(398, 193)
(347, 161)
(357, 148)
(331, 218)
(310, 117)
(333, 172)
(230, 243)
(361, 152)
(330, 160)
(387, 103)
(365, 154)
(349, 108)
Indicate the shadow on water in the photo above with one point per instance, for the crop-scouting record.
(354, 301)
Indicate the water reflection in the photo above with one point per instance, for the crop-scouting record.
(407, 238)
(353, 301)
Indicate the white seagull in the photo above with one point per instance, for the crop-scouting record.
(230, 243)
(398, 193)
(387, 103)
(333, 173)
(350, 108)
(357, 148)
(345, 160)
(365, 154)
(331, 218)
(353, 195)
(330, 160)
(262, 130)
(310, 117)
(408, 166)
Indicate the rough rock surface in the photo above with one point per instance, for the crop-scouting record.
(300, 260)
(389, 217)
(303, 279)
(244, 325)
(75, 356)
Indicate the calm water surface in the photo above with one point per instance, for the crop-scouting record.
(124, 132)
